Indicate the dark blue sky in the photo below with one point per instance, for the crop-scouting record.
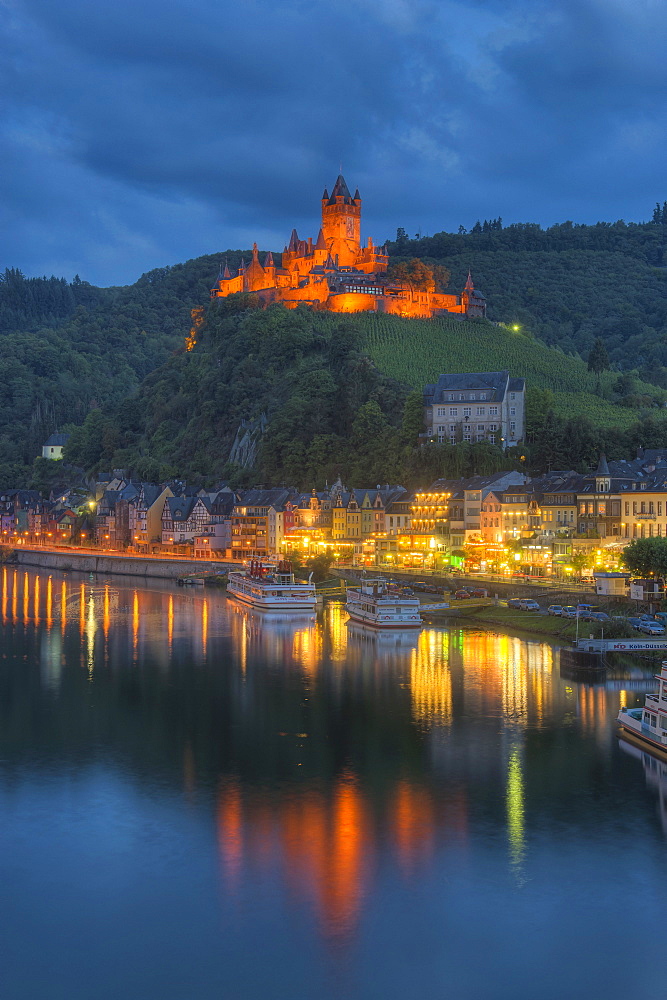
(136, 133)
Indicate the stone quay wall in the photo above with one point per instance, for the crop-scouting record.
(141, 566)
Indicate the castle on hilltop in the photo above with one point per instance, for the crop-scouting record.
(337, 273)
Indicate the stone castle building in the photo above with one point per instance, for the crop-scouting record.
(337, 273)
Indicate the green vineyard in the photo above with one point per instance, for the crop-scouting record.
(416, 351)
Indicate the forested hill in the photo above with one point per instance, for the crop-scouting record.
(68, 348)
(568, 284)
(341, 395)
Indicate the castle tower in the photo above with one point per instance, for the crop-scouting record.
(341, 223)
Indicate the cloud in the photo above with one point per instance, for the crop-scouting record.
(140, 133)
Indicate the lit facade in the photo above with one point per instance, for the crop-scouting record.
(335, 272)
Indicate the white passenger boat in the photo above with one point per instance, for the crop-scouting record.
(648, 725)
(371, 603)
(269, 587)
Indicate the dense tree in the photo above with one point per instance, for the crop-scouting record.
(646, 557)
(598, 359)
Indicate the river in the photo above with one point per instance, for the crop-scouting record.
(196, 802)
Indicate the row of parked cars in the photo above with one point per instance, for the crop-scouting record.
(649, 624)
(524, 604)
(585, 612)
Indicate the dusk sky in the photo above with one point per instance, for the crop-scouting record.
(141, 133)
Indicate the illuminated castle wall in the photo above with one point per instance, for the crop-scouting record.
(336, 273)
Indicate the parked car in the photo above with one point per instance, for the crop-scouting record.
(461, 595)
(661, 616)
(569, 612)
(651, 628)
(600, 616)
(407, 592)
(478, 592)
(635, 622)
(514, 602)
(646, 618)
(530, 605)
(555, 609)
(431, 588)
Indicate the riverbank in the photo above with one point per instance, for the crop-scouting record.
(485, 614)
(118, 564)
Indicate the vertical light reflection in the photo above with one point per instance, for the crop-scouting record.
(170, 623)
(91, 629)
(307, 648)
(26, 597)
(413, 822)
(49, 603)
(106, 618)
(135, 624)
(204, 627)
(63, 606)
(15, 596)
(336, 617)
(350, 833)
(5, 587)
(230, 832)
(514, 801)
(35, 602)
(82, 609)
(244, 645)
(430, 678)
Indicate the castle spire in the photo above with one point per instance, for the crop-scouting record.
(268, 260)
(320, 245)
(469, 286)
(294, 241)
(255, 252)
(226, 273)
(340, 190)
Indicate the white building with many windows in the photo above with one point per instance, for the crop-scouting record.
(476, 406)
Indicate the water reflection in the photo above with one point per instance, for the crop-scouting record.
(327, 757)
(655, 773)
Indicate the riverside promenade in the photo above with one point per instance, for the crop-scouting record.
(118, 563)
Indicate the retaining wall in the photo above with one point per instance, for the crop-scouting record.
(89, 562)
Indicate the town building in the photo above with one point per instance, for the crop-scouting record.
(476, 406)
(53, 447)
(335, 272)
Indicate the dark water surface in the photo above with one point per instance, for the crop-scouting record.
(198, 803)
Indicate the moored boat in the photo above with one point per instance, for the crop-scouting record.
(371, 603)
(648, 725)
(269, 587)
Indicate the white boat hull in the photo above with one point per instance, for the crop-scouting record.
(383, 621)
(262, 599)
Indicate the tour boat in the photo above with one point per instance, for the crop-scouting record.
(371, 604)
(269, 587)
(648, 725)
